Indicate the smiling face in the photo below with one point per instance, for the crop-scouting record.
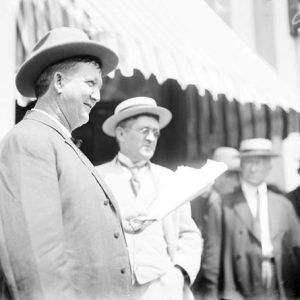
(138, 138)
(79, 92)
(254, 170)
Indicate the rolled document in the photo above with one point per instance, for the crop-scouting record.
(184, 185)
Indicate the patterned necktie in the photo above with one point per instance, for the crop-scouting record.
(134, 170)
(134, 181)
(256, 219)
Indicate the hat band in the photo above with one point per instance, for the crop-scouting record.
(135, 106)
(255, 150)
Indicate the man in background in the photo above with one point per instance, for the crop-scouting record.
(60, 230)
(165, 256)
(252, 248)
(294, 197)
(224, 184)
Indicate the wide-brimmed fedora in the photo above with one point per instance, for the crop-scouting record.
(133, 107)
(257, 147)
(229, 156)
(59, 44)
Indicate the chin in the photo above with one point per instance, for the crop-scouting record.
(147, 155)
(85, 118)
(80, 122)
(254, 183)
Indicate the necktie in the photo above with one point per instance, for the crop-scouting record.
(256, 219)
(134, 180)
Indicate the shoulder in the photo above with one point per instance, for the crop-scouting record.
(234, 197)
(227, 202)
(31, 141)
(160, 173)
(161, 170)
(29, 134)
(281, 201)
(105, 168)
(278, 197)
(217, 200)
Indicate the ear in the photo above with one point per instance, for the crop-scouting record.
(58, 82)
(119, 134)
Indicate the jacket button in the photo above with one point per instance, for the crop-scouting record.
(116, 235)
(106, 202)
(123, 270)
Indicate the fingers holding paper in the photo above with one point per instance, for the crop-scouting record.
(136, 222)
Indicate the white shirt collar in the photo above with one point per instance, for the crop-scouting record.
(61, 126)
(127, 161)
(249, 189)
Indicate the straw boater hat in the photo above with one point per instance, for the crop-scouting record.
(57, 45)
(257, 147)
(133, 107)
(229, 156)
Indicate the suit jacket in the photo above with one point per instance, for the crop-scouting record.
(60, 230)
(183, 239)
(294, 197)
(232, 255)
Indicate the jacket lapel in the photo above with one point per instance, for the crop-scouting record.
(95, 174)
(274, 210)
(242, 210)
(37, 116)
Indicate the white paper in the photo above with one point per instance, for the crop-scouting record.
(184, 185)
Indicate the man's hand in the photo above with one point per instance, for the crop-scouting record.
(132, 224)
(173, 282)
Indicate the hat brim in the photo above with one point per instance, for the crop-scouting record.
(258, 153)
(31, 69)
(164, 116)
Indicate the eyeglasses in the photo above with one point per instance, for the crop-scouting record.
(145, 131)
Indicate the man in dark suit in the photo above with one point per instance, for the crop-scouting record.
(294, 197)
(60, 230)
(224, 184)
(253, 236)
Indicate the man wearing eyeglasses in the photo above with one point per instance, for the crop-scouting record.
(164, 255)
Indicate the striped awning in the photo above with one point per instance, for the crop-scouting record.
(172, 39)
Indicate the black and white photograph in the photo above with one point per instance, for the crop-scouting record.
(150, 150)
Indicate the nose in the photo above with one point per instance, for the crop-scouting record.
(150, 136)
(96, 96)
(253, 167)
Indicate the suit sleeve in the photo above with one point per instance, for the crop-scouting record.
(32, 236)
(210, 265)
(189, 246)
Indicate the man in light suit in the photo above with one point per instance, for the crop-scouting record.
(60, 230)
(165, 256)
(252, 250)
